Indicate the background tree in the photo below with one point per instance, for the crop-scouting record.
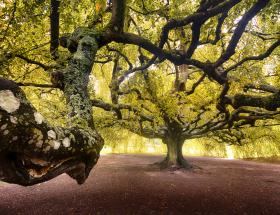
(191, 104)
(151, 27)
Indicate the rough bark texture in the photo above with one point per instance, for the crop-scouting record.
(76, 76)
(174, 158)
(33, 151)
(54, 22)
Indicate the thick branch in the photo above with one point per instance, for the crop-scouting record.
(33, 151)
(262, 87)
(129, 38)
(54, 19)
(194, 17)
(74, 78)
(118, 15)
(271, 102)
(248, 16)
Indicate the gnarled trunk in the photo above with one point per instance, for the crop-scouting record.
(31, 149)
(174, 158)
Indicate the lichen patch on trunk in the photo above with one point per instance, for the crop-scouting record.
(55, 144)
(8, 101)
(39, 144)
(66, 142)
(3, 127)
(38, 118)
(51, 134)
(13, 119)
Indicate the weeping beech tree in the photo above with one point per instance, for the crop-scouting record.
(175, 113)
(194, 99)
(150, 34)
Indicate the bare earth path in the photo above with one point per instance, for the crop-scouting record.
(127, 184)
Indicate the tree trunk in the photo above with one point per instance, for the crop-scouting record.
(174, 158)
(31, 149)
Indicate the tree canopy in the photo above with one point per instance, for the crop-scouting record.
(175, 70)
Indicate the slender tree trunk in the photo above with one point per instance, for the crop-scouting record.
(174, 158)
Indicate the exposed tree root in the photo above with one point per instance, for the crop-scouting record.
(180, 164)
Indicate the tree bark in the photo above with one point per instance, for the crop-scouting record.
(174, 158)
(33, 151)
(54, 22)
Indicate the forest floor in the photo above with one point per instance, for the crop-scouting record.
(127, 184)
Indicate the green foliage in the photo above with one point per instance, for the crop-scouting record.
(24, 29)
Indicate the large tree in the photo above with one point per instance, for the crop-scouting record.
(195, 102)
(34, 150)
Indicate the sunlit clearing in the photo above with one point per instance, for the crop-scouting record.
(151, 149)
(230, 153)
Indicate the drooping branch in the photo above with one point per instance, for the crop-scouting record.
(136, 69)
(122, 55)
(132, 124)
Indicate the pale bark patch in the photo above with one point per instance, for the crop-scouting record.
(66, 142)
(51, 134)
(13, 119)
(38, 118)
(47, 149)
(8, 101)
(55, 144)
(3, 127)
(39, 144)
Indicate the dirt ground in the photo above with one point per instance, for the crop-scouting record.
(127, 184)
